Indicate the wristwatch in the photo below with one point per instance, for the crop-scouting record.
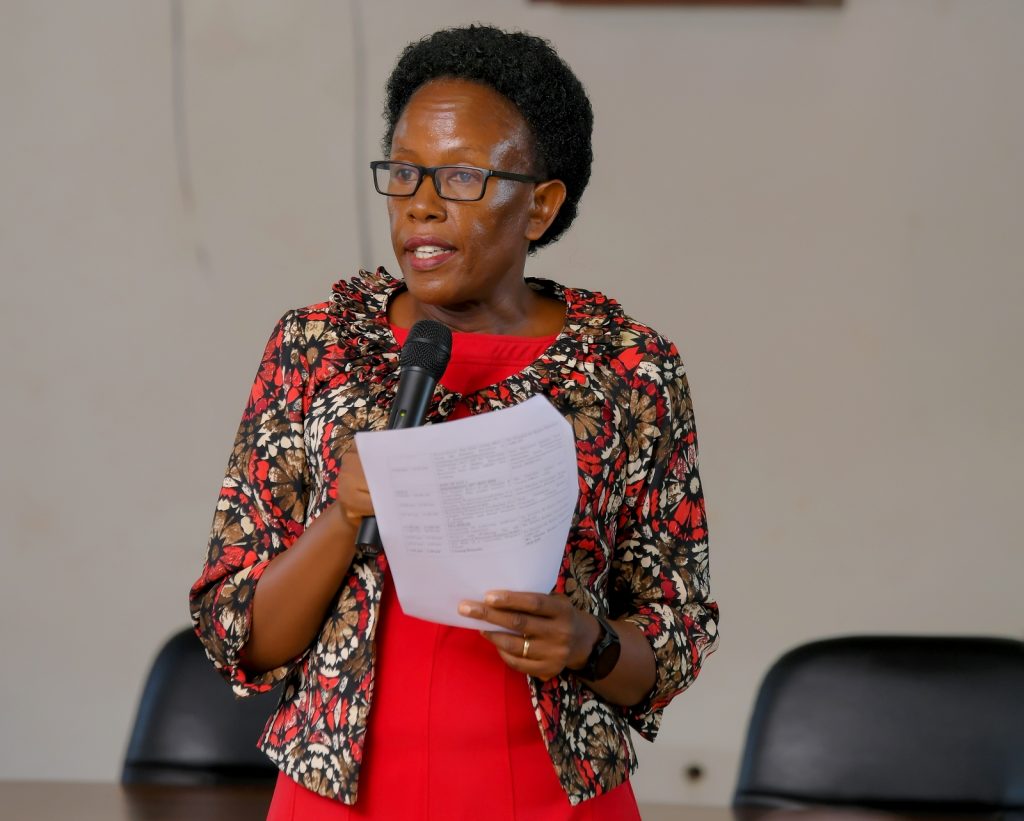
(604, 656)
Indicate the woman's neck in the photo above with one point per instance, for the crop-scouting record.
(525, 313)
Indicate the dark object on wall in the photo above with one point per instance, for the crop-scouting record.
(914, 724)
(190, 728)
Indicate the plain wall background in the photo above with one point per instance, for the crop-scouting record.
(824, 208)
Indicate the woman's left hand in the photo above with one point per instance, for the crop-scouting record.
(549, 632)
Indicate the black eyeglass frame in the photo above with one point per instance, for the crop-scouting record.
(429, 170)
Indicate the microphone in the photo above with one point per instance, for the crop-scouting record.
(424, 357)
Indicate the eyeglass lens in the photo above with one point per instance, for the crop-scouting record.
(454, 182)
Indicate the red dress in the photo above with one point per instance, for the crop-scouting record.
(452, 732)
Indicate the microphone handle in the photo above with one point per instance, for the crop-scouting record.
(415, 388)
(368, 532)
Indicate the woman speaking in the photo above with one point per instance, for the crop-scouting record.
(488, 150)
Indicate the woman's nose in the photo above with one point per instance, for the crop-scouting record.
(426, 204)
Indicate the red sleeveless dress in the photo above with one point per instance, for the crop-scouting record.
(452, 733)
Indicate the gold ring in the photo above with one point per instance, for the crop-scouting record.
(526, 647)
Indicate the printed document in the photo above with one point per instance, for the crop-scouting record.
(472, 505)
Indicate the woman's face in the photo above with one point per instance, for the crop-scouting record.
(483, 243)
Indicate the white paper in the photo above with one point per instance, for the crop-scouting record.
(473, 505)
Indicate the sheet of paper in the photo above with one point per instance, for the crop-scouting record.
(473, 505)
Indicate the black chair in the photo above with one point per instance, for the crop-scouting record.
(190, 728)
(898, 723)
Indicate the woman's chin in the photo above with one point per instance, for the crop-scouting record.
(429, 287)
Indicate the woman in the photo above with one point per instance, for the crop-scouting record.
(387, 716)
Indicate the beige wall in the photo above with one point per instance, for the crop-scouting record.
(822, 207)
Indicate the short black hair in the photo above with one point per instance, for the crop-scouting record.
(528, 72)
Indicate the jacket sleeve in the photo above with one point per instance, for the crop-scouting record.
(260, 511)
(660, 566)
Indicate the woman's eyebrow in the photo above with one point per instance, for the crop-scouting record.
(447, 151)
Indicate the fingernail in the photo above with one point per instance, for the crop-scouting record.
(493, 598)
(468, 609)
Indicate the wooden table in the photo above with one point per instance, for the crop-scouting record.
(60, 800)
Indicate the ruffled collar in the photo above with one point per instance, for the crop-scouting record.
(592, 327)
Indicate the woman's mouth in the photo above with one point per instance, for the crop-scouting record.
(425, 256)
(429, 251)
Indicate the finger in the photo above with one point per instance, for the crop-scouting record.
(538, 604)
(514, 620)
(353, 491)
(352, 466)
(354, 520)
(515, 646)
(538, 668)
(545, 649)
(360, 503)
(354, 508)
(353, 483)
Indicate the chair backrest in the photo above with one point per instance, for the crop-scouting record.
(890, 722)
(191, 729)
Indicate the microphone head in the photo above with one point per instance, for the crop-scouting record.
(428, 346)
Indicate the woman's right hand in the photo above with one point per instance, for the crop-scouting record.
(299, 585)
(353, 493)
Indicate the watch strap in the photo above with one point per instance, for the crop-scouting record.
(604, 654)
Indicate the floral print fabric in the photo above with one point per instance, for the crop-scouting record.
(637, 548)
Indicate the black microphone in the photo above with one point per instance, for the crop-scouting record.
(424, 357)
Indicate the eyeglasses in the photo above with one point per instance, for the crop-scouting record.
(462, 183)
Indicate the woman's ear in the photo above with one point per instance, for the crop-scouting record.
(547, 200)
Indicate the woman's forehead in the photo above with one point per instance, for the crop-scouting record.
(460, 116)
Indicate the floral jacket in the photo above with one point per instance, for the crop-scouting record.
(637, 548)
